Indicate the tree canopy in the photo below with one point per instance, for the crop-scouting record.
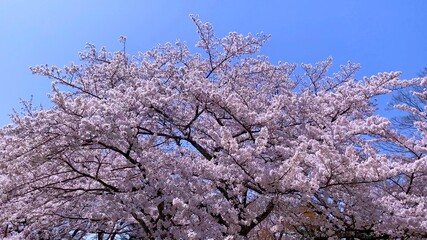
(218, 144)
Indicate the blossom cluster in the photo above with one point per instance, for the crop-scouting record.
(221, 144)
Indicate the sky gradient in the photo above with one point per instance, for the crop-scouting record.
(381, 35)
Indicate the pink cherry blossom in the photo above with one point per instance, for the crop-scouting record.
(217, 144)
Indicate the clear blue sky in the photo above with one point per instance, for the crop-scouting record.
(382, 35)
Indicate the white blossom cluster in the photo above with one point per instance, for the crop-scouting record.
(220, 144)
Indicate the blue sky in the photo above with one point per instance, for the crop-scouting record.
(382, 35)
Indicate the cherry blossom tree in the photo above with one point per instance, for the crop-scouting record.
(405, 195)
(220, 144)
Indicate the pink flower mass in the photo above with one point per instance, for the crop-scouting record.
(217, 144)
